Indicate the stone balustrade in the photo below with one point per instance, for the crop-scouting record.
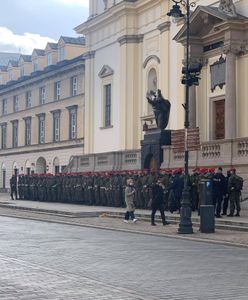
(224, 153)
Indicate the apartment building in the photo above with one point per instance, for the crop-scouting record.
(41, 109)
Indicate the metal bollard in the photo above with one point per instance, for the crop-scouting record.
(207, 219)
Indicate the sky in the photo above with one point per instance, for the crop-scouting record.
(29, 24)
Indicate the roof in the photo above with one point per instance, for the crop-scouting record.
(39, 52)
(26, 58)
(3, 68)
(216, 15)
(6, 57)
(13, 63)
(73, 40)
(45, 71)
(53, 46)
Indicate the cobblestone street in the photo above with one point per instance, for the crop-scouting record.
(40, 260)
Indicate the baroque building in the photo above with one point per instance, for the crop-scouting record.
(42, 109)
(134, 47)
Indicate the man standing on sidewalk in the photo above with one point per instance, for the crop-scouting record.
(158, 202)
(235, 185)
(219, 187)
(13, 187)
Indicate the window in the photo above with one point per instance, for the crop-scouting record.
(57, 90)
(1, 79)
(22, 71)
(72, 122)
(4, 107)
(15, 134)
(56, 125)
(28, 99)
(61, 53)
(42, 95)
(4, 136)
(28, 131)
(49, 59)
(36, 65)
(74, 86)
(107, 101)
(42, 129)
(16, 103)
(10, 74)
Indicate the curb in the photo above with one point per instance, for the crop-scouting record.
(180, 237)
(223, 225)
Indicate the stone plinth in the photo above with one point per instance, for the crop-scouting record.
(151, 147)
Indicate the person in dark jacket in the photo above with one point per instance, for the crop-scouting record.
(226, 196)
(158, 202)
(13, 187)
(219, 188)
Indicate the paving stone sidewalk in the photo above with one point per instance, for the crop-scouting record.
(226, 237)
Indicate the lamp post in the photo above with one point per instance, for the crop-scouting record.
(185, 225)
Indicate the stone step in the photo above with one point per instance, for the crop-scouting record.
(219, 224)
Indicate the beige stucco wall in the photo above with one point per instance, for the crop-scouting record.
(130, 78)
(63, 149)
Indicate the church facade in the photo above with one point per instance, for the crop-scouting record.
(134, 47)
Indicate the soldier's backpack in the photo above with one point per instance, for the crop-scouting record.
(239, 183)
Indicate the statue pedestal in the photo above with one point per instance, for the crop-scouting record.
(151, 147)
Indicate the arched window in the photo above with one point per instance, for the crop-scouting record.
(151, 85)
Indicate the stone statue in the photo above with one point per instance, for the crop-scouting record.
(227, 7)
(161, 108)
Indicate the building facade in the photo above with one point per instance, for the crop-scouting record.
(134, 47)
(42, 110)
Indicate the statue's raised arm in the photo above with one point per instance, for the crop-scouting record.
(161, 108)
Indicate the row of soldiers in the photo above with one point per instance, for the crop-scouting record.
(101, 188)
(108, 188)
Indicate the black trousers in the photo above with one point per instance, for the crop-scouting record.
(154, 210)
(218, 202)
(225, 204)
(13, 192)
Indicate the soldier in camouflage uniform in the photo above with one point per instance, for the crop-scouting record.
(20, 187)
(165, 179)
(235, 185)
(35, 178)
(194, 183)
(145, 191)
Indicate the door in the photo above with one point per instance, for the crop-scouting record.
(220, 119)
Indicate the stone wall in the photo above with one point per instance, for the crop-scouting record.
(121, 160)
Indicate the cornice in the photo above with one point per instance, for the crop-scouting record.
(123, 8)
(30, 80)
(89, 55)
(131, 39)
(154, 57)
(164, 26)
(42, 147)
(55, 111)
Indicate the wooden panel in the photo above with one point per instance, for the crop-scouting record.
(220, 119)
(178, 140)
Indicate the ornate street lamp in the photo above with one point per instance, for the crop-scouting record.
(185, 226)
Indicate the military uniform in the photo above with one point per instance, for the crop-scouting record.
(13, 187)
(194, 183)
(234, 193)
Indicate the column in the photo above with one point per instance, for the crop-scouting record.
(88, 113)
(230, 101)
